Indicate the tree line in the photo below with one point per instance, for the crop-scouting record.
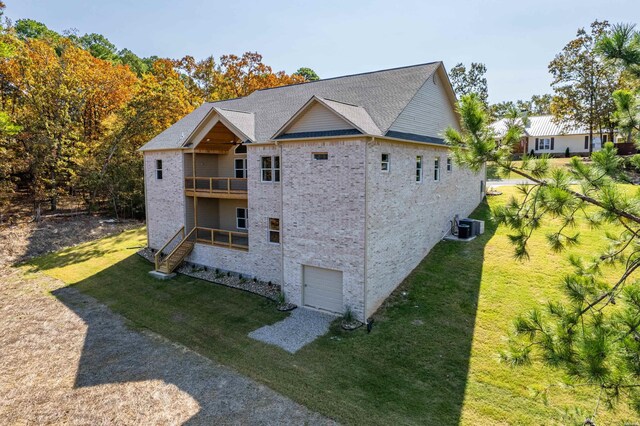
(589, 89)
(75, 109)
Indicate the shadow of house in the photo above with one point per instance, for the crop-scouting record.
(414, 365)
(114, 353)
(431, 318)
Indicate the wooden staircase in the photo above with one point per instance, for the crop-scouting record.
(167, 264)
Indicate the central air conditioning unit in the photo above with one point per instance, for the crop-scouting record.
(469, 228)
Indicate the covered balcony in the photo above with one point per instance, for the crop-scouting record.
(216, 167)
(215, 184)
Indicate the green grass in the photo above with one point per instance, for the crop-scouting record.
(493, 172)
(432, 357)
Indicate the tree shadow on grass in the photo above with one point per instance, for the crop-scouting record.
(113, 352)
(75, 254)
(412, 368)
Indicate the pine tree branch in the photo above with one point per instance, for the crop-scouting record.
(576, 194)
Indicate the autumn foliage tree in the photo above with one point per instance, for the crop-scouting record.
(74, 111)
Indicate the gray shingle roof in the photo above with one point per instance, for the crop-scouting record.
(382, 94)
(243, 121)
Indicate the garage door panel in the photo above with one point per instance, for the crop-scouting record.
(323, 288)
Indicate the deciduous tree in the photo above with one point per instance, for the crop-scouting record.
(307, 73)
(584, 84)
(470, 80)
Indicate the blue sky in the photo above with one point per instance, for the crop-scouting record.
(515, 39)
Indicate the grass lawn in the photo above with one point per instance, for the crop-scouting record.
(493, 173)
(432, 357)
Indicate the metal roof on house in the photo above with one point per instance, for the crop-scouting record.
(542, 125)
(372, 101)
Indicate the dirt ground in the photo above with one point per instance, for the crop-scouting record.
(25, 240)
(67, 359)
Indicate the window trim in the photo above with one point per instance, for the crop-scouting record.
(541, 144)
(419, 168)
(245, 218)
(384, 162)
(449, 165)
(244, 167)
(269, 230)
(159, 170)
(275, 170)
(436, 169)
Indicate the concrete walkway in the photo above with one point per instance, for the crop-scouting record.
(300, 328)
(508, 182)
(67, 359)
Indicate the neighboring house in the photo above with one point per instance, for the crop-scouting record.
(334, 189)
(544, 136)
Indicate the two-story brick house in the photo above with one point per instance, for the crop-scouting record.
(334, 189)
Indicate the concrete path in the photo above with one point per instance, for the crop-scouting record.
(508, 182)
(67, 359)
(300, 328)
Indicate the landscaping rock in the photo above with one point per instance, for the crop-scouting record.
(260, 288)
(300, 328)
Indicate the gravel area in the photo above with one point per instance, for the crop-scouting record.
(300, 328)
(270, 291)
(67, 359)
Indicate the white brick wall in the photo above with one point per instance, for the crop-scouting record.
(164, 197)
(264, 259)
(323, 221)
(329, 217)
(405, 219)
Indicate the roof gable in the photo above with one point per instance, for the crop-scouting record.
(325, 115)
(237, 125)
(430, 111)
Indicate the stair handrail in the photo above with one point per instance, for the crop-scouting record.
(159, 252)
(180, 243)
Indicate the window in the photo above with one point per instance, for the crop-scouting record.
(240, 165)
(545, 144)
(384, 162)
(436, 169)
(158, 169)
(270, 168)
(274, 230)
(586, 142)
(241, 218)
(320, 156)
(449, 164)
(419, 168)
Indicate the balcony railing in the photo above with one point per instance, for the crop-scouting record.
(223, 238)
(216, 185)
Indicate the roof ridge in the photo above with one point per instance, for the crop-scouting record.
(340, 102)
(234, 110)
(346, 76)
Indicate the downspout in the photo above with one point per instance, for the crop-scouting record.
(366, 221)
(282, 218)
(146, 201)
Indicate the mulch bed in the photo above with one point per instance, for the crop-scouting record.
(261, 288)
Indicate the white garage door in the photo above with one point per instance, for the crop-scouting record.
(323, 288)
